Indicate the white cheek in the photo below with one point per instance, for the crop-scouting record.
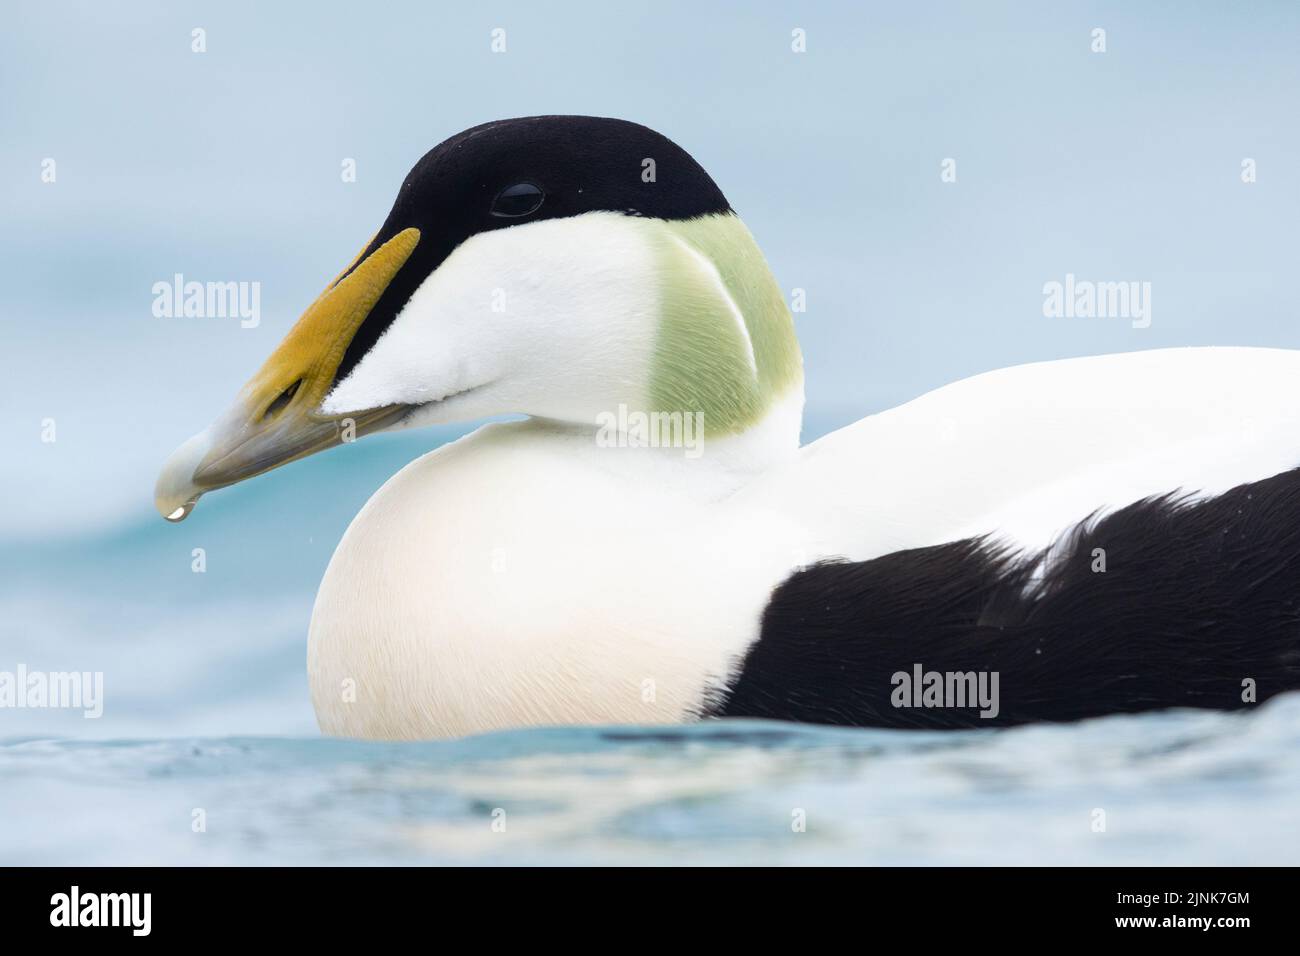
(557, 317)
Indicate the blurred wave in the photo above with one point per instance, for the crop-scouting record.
(1176, 788)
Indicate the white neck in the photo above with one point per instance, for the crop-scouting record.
(706, 470)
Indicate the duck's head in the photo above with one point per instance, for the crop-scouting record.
(562, 267)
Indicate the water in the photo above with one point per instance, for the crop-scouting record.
(1184, 788)
(206, 708)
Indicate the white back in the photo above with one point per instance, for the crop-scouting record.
(1025, 452)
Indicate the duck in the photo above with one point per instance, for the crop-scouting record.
(650, 543)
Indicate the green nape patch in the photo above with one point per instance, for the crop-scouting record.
(701, 361)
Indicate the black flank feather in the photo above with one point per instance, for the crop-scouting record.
(1199, 601)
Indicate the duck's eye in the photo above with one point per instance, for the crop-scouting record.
(517, 200)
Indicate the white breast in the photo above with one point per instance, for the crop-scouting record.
(512, 579)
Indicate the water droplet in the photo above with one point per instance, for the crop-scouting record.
(181, 513)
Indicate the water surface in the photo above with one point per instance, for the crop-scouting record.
(1180, 787)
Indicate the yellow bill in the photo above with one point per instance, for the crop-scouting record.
(276, 417)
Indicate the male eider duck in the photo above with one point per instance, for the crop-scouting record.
(652, 545)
